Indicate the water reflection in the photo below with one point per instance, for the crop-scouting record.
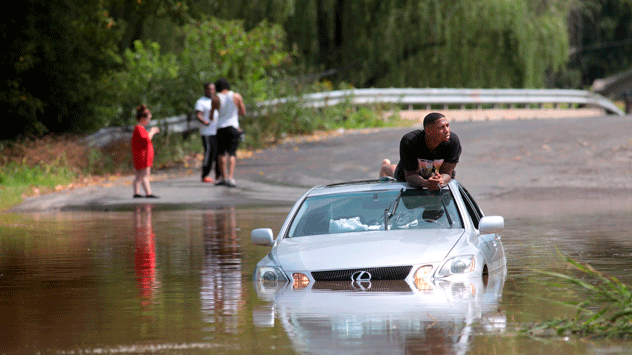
(220, 292)
(145, 254)
(73, 283)
(384, 317)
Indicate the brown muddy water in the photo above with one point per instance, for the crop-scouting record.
(150, 280)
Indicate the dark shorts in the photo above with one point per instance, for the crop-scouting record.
(228, 140)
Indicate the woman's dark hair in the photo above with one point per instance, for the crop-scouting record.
(432, 118)
(141, 112)
(221, 85)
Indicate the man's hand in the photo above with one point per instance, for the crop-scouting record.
(200, 117)
(435, 182)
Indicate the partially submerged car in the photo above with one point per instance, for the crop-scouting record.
(367, 231)
(384, 317)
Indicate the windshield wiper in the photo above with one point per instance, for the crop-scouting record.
(390, 211)
(445, 208)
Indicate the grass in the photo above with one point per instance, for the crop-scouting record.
(604, 312)
(34, 166)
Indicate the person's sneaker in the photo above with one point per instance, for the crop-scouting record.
(231, 183)
(207, 179)
(151, 196)
(219, 182)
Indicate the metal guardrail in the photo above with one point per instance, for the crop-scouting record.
(456, 97)
(175, 124)
(408, 98)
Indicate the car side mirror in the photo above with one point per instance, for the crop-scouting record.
(262, 236)
(491, 224)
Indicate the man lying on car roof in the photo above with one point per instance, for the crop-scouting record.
(427, 157)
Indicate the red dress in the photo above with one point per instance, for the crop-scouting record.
(142, 148)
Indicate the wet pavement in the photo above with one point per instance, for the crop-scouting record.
(566, 162)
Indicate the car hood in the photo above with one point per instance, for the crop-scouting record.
(367, 249)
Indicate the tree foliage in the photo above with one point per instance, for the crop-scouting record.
(57, 52)
(53, 51)
(600, 33)
(73, 65)
(433, 43)
(170, 83)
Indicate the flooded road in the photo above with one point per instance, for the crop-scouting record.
(175, 276)
(154, 280)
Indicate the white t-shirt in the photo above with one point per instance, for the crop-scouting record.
(203, 105)
(228, 114)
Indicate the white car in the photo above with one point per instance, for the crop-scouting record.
(366, 231)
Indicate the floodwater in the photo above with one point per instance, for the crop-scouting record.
(151, 280)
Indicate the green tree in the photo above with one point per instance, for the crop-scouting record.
(133, 16)
(252, 12)
(53, 52)
(455, 43)
(600, 34)
(146, 78)
(56, 53)
(170, 83)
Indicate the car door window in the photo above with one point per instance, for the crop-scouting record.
(472, 208)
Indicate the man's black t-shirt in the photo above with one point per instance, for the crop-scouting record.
(413, 147)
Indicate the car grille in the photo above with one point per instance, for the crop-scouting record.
(397, 286)
(377, 273)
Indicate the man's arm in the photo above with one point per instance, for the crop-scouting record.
(446, 171)
(415, 180)
(434, 182)
(239, 102)
(214, 106)
(200, 116)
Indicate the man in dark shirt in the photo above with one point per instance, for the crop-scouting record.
(419, 149)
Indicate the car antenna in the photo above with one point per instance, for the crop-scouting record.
(390, 212)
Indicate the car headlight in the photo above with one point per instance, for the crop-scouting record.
(270, 274)
(457, 265)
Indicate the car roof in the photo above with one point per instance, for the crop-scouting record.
(360, 186)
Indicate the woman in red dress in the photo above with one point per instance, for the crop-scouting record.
(143, 151)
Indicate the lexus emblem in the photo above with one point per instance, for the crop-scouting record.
(361, 276)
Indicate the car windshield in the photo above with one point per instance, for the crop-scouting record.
(375, 211)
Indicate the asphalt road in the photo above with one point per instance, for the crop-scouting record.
(510, 166)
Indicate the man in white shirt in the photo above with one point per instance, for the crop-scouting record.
(229, 106)
(208, 132)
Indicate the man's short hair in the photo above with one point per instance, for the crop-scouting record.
(430, 118)
(221, 85)
(207, 84)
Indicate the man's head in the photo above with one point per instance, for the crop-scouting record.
(437, 126)
(209, 90)
(221, 85)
